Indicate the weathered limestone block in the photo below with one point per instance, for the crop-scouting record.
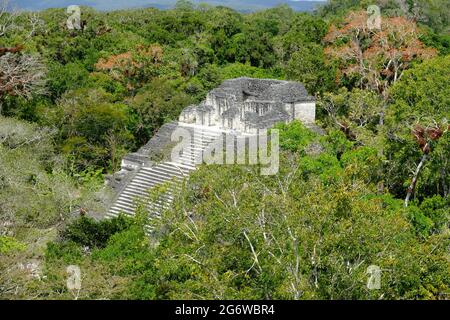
(305, 112)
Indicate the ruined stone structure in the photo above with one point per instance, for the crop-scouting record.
(240, 107)
(246, 105)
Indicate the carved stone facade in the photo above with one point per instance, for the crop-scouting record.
(247, 104)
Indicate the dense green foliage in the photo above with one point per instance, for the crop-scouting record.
(305, 234)
(336, 207)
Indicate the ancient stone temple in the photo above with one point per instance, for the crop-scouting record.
(239, 107)
(246, 105)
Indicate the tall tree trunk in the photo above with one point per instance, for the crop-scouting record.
(412, 186)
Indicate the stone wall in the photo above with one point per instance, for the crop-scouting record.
(305, 112)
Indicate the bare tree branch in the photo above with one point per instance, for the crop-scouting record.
(21, 75)
(255, 255)
(7, 17)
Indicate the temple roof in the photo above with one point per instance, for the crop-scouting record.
(263, 89)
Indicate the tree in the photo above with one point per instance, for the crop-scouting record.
(424, 137)
(133, 68)
(422, 93)
(158, 102)
(253, 46)
(304, 29)
(33, 196)
(355, 113)
(7, 17)
(93, 130)
(417, 131)
(426, 12)
(189, 63)
(21, 74)
(308, 66)
(375, 59)
(184, 5)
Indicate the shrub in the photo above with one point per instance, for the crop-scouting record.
(8, 244)
(95, 234)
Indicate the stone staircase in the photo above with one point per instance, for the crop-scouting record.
(169, 173)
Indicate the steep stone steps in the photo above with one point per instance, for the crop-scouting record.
(170, 173)
(146, 179)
